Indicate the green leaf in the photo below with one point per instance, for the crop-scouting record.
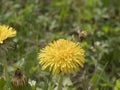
(67, 82)
(94, 78)
(2, 83)
(106, 29)
(117, 86)
(96, 89)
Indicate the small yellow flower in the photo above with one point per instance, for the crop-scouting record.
(62, 56)
(6, 32)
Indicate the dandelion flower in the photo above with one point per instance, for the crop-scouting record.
(62, 56)
(6, 32)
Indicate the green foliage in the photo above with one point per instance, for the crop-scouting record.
(117, 86)
(39, 22)
(2, 83)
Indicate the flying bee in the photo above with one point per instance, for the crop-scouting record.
(82, 34)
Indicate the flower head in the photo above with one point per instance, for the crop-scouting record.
(62, 56)
(6, 32)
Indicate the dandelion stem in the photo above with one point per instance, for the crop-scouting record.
(60, 82)
(6, 73)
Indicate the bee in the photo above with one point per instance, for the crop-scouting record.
(82, 34)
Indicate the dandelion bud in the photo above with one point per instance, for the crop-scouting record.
(19, 79)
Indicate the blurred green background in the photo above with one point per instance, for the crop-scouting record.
(39, 22)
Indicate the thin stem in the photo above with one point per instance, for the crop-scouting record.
(60, 83)
(6, 73)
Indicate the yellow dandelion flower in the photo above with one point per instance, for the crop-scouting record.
(6, 32)
(62, 56)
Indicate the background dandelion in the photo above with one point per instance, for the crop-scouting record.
(6, 32)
